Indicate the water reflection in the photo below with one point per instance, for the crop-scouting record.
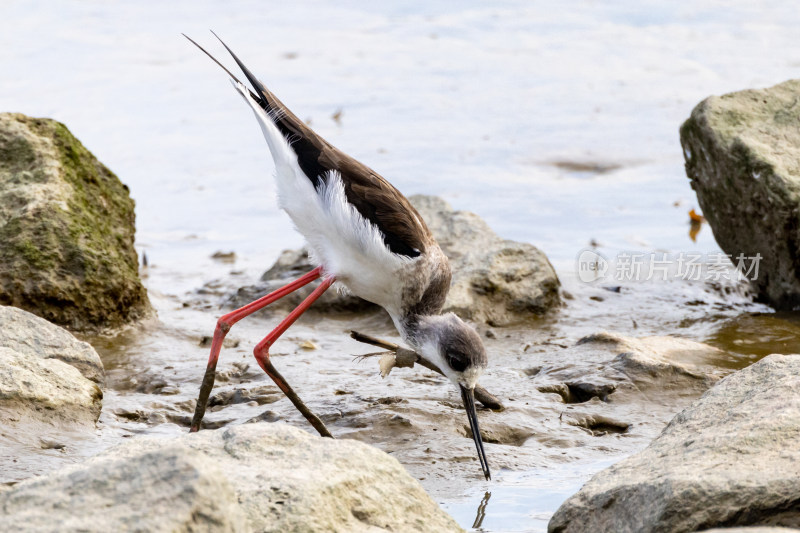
(481, 510)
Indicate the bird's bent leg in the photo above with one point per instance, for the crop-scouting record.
(224, 325)
(261, 352)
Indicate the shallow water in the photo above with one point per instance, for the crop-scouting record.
(558, 126)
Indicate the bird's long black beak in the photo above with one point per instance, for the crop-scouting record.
(468, 395)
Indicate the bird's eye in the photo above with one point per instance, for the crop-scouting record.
(457, 361)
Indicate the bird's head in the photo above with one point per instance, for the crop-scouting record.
(456, 348)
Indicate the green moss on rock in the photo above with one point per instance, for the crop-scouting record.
(67, 228)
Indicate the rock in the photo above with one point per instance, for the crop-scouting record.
(44, 389)
(599, 425)
(253, 477)
(308, 345)
(46, 373)
(224, 257)
(742, 153)
(260, 395)
(501, 433)
(49, 393)
(730, 459)
(614, 366)
(495, 281)
(618, 387)
(29, 335)
(765, 529)
(67, 228)
(173, 489)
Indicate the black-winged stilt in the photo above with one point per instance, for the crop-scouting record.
(366, 236)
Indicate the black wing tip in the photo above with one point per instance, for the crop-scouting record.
(256, 96)
(257, 85)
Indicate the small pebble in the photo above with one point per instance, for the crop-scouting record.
(205, 341)
(156, 418)
(48, 444)
(225, 257)
(308, 345)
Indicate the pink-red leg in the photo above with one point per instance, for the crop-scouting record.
(224, 325)
(261, 352)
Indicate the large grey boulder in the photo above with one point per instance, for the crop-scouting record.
(67, 230)
(495, 281)
(49, 392)
(730, 459)
(742, 154)
(255, 477)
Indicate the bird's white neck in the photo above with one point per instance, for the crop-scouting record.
(415, 330)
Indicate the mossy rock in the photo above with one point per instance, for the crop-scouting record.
(67, 228)
(742, 154)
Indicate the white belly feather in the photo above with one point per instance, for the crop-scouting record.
(346, 245)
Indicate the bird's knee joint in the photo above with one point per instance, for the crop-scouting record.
(223, 325)
(261, 352)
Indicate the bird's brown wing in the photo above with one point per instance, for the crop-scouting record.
(403, 229)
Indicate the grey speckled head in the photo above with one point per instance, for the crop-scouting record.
(457, 349)
(453, 345)
(461, 346)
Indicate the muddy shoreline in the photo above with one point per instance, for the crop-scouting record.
(539, 455)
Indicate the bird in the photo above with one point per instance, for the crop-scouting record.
(365, 236)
